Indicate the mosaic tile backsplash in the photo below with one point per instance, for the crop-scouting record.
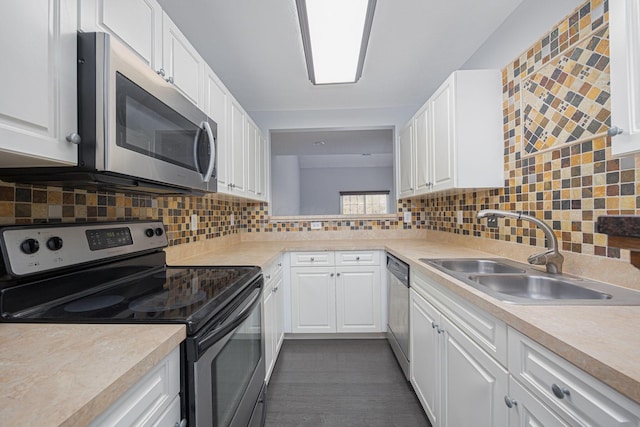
(27, 204)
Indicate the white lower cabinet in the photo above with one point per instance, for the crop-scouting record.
(525, 410)
(336, 292)
(425, 351)
(152, 401)
(468, 368)
(456, 381)
(576, 396)
(273, 299)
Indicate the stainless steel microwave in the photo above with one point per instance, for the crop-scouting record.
(136, 131)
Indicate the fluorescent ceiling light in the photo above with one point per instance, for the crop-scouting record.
(335, 34)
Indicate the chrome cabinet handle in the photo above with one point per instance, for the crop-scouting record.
(560, 392)
(311, 259)
(332, 275)
(338, 274)
(161, 72)
(268, 276)
(357, 258)
(510, 402)
(74, 138)
(435, 326)
(279, 264)
(181, 423)
(169, 80)
(614, 130)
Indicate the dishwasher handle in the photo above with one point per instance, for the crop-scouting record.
(398, 269)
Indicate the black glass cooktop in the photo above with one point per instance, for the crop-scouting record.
(129, 292)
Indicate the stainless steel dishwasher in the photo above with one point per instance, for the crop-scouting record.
(398, 311)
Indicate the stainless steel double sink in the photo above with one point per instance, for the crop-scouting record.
(519, 283)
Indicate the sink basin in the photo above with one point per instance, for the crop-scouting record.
(519, 283)
(484, 266)
(537, 287)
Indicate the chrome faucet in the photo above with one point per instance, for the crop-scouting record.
(551, 258)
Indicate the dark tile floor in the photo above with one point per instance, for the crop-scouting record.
(346, 383)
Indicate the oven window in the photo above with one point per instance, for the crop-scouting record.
(233, 367)
(147, 126)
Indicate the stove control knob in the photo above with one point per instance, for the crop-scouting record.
(54, 243)
(159, 231)
(149, 232)
(29, 246)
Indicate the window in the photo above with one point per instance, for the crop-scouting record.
(364, 202)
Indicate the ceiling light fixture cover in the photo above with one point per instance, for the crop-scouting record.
(335, 35)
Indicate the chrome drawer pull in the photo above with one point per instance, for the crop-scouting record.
(559, 392)
(510, 402)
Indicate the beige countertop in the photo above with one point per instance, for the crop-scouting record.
(66, 375)
(602, 341)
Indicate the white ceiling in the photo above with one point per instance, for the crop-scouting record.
(255, 47)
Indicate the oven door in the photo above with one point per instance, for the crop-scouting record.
(146, 127)
(225, 380)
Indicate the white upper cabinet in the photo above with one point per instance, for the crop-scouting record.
(455, 140)
(181, 63)
(136, 23)
(423, 151)
(624, 27)
(38, 108)
(406, 161)
(237, 151)
(216, 106)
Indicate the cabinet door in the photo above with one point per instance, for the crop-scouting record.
(624, 25)
(181, 63)
(443, 136)
(38, 102)
(405, 162)
(269, 329)
(279, 310)
(238, 148)
(136, 23)
(261, 167)
(358, 299)
(423, 180)
(216, 106)
(313, 299)
(252, 159)
(424, 355)
(473, 383)
(527, 411)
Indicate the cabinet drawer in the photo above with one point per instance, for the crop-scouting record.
(148, 399)
(312, 259)
(358, 258)
(484, 329)
(272, 270)
(571, 392)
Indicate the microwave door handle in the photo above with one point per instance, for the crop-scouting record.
(195, 149)
(212, 151)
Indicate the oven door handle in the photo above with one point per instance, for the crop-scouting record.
(235, 320)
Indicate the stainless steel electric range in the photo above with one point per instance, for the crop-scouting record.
(117, 273)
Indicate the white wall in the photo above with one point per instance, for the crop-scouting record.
(285, 181)
(526, 25)
(320, 187)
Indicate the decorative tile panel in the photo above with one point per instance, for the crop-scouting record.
(568, 98)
